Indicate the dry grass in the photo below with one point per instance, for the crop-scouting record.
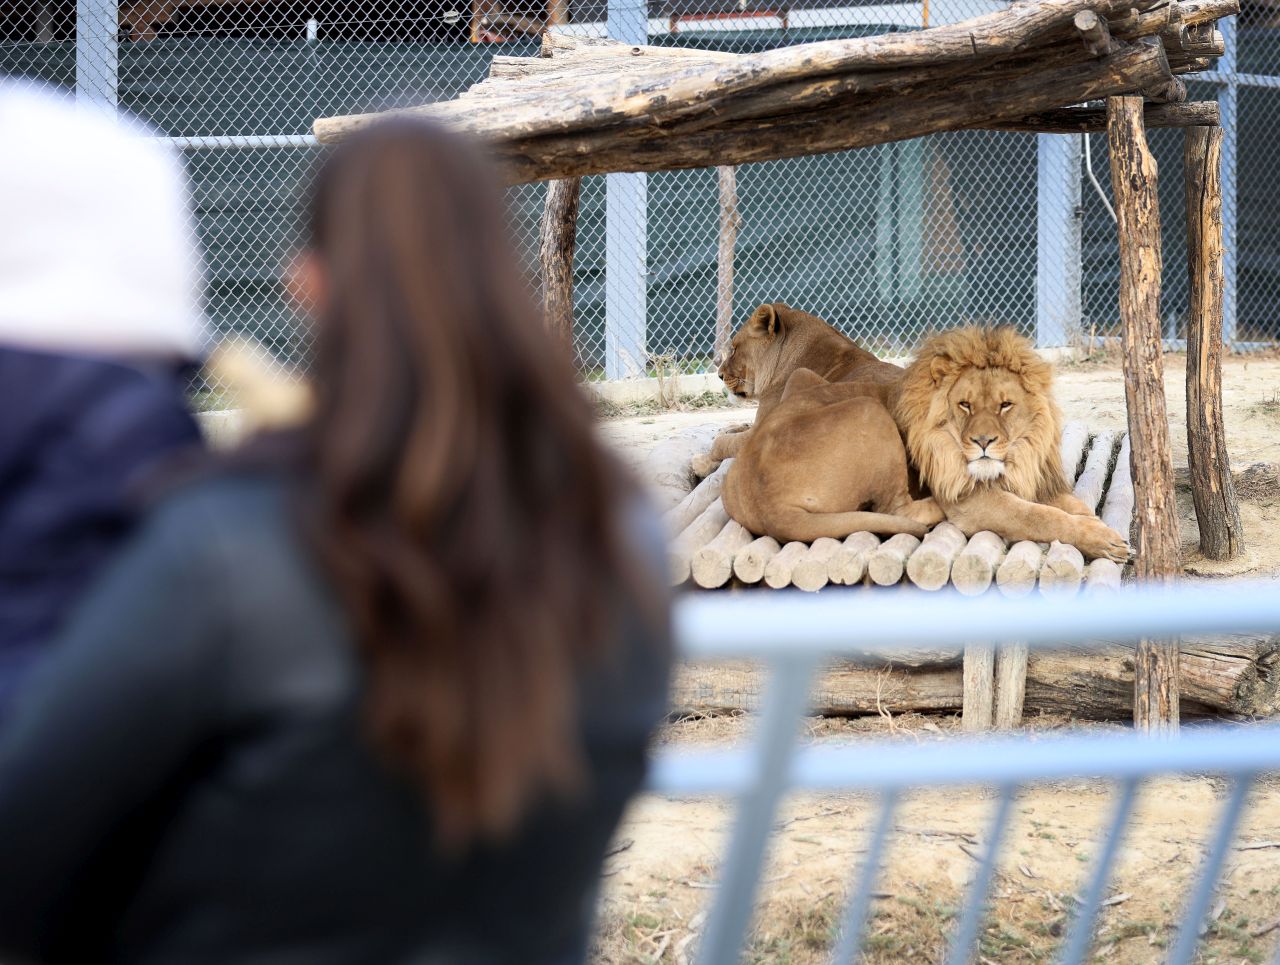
(658, 890)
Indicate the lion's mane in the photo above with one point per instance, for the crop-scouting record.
(1033, 464)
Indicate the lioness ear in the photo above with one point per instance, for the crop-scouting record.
(764, 321)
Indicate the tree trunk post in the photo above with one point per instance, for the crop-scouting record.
(1133, 181)
(729, 223)
(1217, 511)
(978, 702)
(1011, 685)
(559, 238)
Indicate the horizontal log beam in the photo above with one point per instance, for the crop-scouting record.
(882, 120)
(1085, 120)
(663, 84)
(1220, 677)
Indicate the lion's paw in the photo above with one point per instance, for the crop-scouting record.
(703, 465)
(1097, 540)
(926, 511)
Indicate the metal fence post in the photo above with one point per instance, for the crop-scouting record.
(1228, 95)
(97, 53)
(1058, 217)
(626, 232)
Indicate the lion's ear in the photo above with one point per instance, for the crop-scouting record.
(764, 321)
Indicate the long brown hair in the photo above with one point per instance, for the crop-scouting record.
(459, 499)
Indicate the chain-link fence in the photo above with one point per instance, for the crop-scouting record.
(886, 242)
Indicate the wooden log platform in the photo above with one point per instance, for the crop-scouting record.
(710, 551)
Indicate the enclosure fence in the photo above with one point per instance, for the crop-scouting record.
(885, 242)
(793, 633)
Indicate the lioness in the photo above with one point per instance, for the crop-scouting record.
(984, 432)
(828, 461)
(772, 344)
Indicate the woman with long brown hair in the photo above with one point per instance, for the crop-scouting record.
(377, 690)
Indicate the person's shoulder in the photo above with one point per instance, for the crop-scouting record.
(221, 506)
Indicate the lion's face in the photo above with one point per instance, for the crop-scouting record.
(977, 410)
(752, 350)
(987, 413)
(738, 369)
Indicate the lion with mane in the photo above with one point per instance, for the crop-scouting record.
(982, 428)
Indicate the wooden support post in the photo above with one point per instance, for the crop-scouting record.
(559, 239)
(1133, 182)
(979, 682)
(1011, 685)
(1217, 511)
(729, 223)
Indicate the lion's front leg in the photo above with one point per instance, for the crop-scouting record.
(1018, 519)
(725, 446)
(1070, 505)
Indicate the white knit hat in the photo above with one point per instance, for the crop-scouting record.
(97, 255)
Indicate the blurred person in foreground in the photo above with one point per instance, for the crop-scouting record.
(378, 690)
(99, 326)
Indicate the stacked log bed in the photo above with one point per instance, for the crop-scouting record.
(709, 550)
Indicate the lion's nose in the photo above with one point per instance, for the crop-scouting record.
(982, 441)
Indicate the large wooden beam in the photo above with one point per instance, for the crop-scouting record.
(1232, 676)
(891, 117)
(1134, 184)
(1217, 511)
(559, 238)
(642, 83)
(1085, 120)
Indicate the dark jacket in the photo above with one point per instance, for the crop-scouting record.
(77, 437)
(186, 781)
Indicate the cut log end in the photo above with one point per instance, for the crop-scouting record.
(848, 565)
(1018, 573)
(750, 563)
(811, 570)
(777, 572)
(975, 568)
(889, 562)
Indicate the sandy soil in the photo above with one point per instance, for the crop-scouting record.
(660, 879)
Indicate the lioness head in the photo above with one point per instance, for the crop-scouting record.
(752, 352)
(977, 411)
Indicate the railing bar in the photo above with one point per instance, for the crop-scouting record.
(785, 702)
(976, 902)
(859, 903)
(1221, 750)
(1189, 936)
(1081, 934)
(870, 626)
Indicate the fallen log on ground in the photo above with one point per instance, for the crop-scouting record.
(1234, 677)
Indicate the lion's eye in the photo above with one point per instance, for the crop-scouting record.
(1006, 406)
(965, 406)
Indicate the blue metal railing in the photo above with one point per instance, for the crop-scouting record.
(793, 632)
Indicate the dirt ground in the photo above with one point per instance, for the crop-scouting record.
(660, 878)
